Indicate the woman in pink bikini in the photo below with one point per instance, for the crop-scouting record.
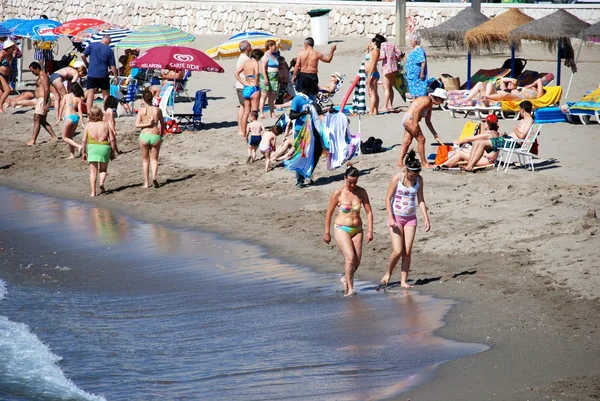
(348, 230)
(404, 194)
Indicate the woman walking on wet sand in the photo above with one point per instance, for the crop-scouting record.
(404, 193)
(348, 230)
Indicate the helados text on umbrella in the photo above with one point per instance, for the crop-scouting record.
(179, 66)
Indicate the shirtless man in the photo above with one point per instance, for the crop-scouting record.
(419, 108)
(307, 63)
(42, 94)
(522, 128)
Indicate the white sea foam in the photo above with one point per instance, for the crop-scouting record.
(29, 369)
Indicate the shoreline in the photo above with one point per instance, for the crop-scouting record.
(517, 250)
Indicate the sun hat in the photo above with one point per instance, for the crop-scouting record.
(441, 93)
(337, 75)
(8, 43)
(78, 63)
(492, 118)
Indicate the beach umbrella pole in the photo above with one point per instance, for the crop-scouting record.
(468, 70)
(512, 61)
(558, 64)
(572, 73)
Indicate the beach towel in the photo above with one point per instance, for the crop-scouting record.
(590, 102)
(342, 145)
(359, 105)
(487, 76)
(400, 81)
(549, 98)
(303, 158)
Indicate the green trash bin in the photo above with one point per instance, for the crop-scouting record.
(319, 25)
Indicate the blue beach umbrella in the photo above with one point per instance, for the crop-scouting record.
(4, 31)
(12, 23)
(37, 29)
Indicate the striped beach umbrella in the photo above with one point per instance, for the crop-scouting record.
(359, 104)
(116, 35)
(154, 36)
(231, 48)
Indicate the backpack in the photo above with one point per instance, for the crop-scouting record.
(371, 145)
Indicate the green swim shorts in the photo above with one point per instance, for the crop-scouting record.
(150, 139)
(273, 79)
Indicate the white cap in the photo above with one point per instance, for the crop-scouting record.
(8, 43)
(441, 93)
(78, 63)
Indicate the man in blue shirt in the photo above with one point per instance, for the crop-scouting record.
(101, 59)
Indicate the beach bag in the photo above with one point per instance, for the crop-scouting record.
(172, 127)
(442, 154)
(371, 145)
(450, 83)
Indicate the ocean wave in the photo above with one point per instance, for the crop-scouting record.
(29, 369)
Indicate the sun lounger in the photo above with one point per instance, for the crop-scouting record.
(585, 109)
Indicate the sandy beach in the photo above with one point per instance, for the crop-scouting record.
(518, 250)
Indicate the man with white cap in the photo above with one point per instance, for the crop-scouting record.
(6, 57)
(419, 108)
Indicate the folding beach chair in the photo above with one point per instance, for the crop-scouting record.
(325, 98)
(523, 152)
(584, 109)
(181, 85)
(194, 119)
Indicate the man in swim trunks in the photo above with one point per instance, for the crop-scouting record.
(419, 108)
(245, 49)
(522, 128)
(307, 63)
(42, 94)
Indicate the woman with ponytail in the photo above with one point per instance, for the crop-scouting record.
(404, 193)
(348, 230)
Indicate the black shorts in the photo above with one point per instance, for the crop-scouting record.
(303, 77)
(100, 83)
(240, 96)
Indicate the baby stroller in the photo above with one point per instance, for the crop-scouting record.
(324, 98)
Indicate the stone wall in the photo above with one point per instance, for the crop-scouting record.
(347, 18)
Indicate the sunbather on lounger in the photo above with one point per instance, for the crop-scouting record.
(484, 150)
(508, 91)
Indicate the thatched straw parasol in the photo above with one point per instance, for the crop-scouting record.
(451, 33)
(592, 32)
(560, 25)
(494, 33)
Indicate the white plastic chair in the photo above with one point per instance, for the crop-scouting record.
(523, 152)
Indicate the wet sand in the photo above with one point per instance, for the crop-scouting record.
(518, 250)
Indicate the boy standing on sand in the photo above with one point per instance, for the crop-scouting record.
(42, 94)
(255, 130)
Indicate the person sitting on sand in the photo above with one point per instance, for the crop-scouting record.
(151, 136)
(99, 147)
(404, 194)
(419, 108)
(286, 149)
(268, 145)
(483, 152)
(508, 91)
(254, 134)
(348, 231)
(71, 111)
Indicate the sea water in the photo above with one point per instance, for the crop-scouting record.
(97, 306)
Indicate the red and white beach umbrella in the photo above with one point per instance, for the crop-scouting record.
(75, 26)
(176, 58)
